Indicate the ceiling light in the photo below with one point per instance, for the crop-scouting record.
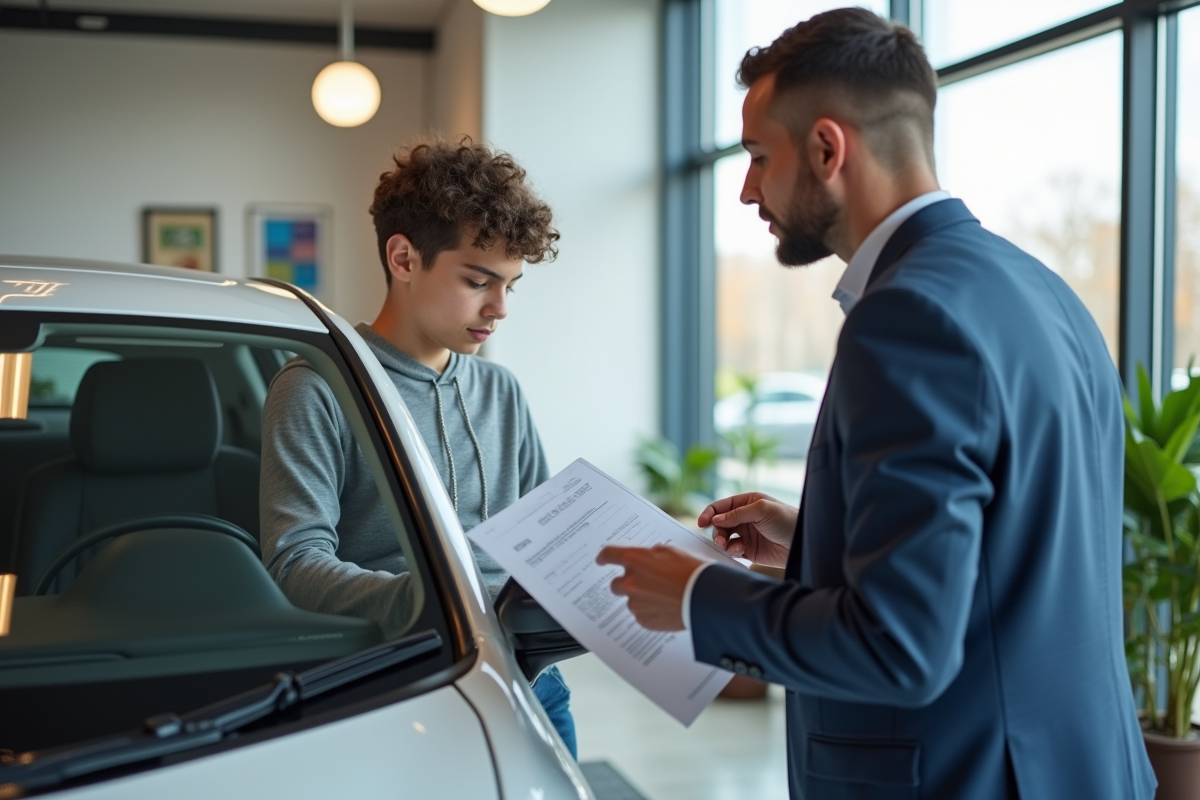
(346, 93)
(512, 8)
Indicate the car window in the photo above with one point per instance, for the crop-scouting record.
(161, 564)
(57, 371)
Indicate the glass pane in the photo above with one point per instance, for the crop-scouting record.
(190, 609)
(777, 330)
(1034, 150)
(742, 24)
(1187, 226)
(958, 29)
(57, 372)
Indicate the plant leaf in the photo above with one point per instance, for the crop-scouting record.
(1149, 413)
(1131, 415)
(1176, 407)
(1159, 475)
(1181, 438)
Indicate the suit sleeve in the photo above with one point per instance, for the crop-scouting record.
(913, 425)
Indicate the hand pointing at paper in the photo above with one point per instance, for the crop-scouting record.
(654, 581)
(752, 525)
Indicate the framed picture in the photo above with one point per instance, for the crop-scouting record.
(291, 243)
(180, 237)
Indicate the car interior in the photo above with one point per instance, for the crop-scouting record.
(129, 513)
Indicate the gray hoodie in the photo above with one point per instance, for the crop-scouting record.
(326, 538)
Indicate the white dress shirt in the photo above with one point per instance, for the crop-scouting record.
(854, 280)
(848, 292)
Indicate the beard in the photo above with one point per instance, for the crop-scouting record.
(804, 231)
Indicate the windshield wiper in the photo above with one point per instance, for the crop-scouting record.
(167, 734)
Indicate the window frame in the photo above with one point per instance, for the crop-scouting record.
(1148, 199)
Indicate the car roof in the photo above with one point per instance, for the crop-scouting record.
(101, 287)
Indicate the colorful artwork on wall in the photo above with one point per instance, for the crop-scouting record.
(291, 243)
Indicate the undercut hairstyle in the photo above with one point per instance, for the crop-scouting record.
(440, 191)
(871, 72)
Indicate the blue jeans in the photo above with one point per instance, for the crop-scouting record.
(555, 697)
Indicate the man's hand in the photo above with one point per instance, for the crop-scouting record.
(654, 580)
(753, 526)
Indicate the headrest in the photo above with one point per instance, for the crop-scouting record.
(146, 415)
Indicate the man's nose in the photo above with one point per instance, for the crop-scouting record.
(498, 307)
(750, 193)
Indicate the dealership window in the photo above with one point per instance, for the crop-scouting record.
(775, 328)
(1187, 195)
(1034, 150)
(1058, 124)
(957, 29)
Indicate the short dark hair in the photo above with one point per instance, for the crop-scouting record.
(438, 191)
(877, 65)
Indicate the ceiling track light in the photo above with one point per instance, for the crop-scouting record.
(346, 93)
(512, 8)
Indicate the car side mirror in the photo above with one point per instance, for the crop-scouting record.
(536, 638)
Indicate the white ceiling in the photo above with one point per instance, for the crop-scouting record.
(383, 13)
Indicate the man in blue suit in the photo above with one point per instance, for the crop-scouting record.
(949, 623)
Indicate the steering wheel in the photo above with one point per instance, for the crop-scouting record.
(201, 522)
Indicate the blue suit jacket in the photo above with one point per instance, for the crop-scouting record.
(950, 623)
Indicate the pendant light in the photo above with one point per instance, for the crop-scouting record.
(512, 8)
(346, 93)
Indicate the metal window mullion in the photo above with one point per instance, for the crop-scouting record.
(908, 13)
(1139, 169)
(688, 285)
(1166, 202)
(1071, 32)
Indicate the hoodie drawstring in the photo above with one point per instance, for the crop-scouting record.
(462, 404)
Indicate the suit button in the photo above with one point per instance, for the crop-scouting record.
(739, 667)
(753, 671)
(726, 663)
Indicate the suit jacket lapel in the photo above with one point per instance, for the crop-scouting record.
(929, 219)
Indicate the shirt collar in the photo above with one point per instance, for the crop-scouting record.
(854, 280)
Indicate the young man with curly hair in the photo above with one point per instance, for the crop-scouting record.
(455, 223)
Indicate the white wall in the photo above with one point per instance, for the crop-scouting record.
(93, 128)
(457, 75)
(572, 93)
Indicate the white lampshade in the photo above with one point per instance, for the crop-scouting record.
(512, 8)
(346, 94)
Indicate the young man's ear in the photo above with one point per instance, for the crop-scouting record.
(402, 258)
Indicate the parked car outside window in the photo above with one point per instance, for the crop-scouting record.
(783, 405)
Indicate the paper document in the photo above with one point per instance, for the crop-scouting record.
(548, 541)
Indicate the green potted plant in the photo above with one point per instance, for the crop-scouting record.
(1162, 578)
(678, 484)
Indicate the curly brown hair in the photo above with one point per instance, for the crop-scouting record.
(439, 191)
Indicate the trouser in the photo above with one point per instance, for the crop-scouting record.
(555, 697)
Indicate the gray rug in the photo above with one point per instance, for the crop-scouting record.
(607, 783)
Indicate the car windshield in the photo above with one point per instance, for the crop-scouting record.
(176, 528)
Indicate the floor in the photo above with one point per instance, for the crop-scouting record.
(735, 750)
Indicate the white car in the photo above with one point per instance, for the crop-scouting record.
(785, 406)
(150, 654)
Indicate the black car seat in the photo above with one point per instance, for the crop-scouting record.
(25, 444)
(147, 440)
